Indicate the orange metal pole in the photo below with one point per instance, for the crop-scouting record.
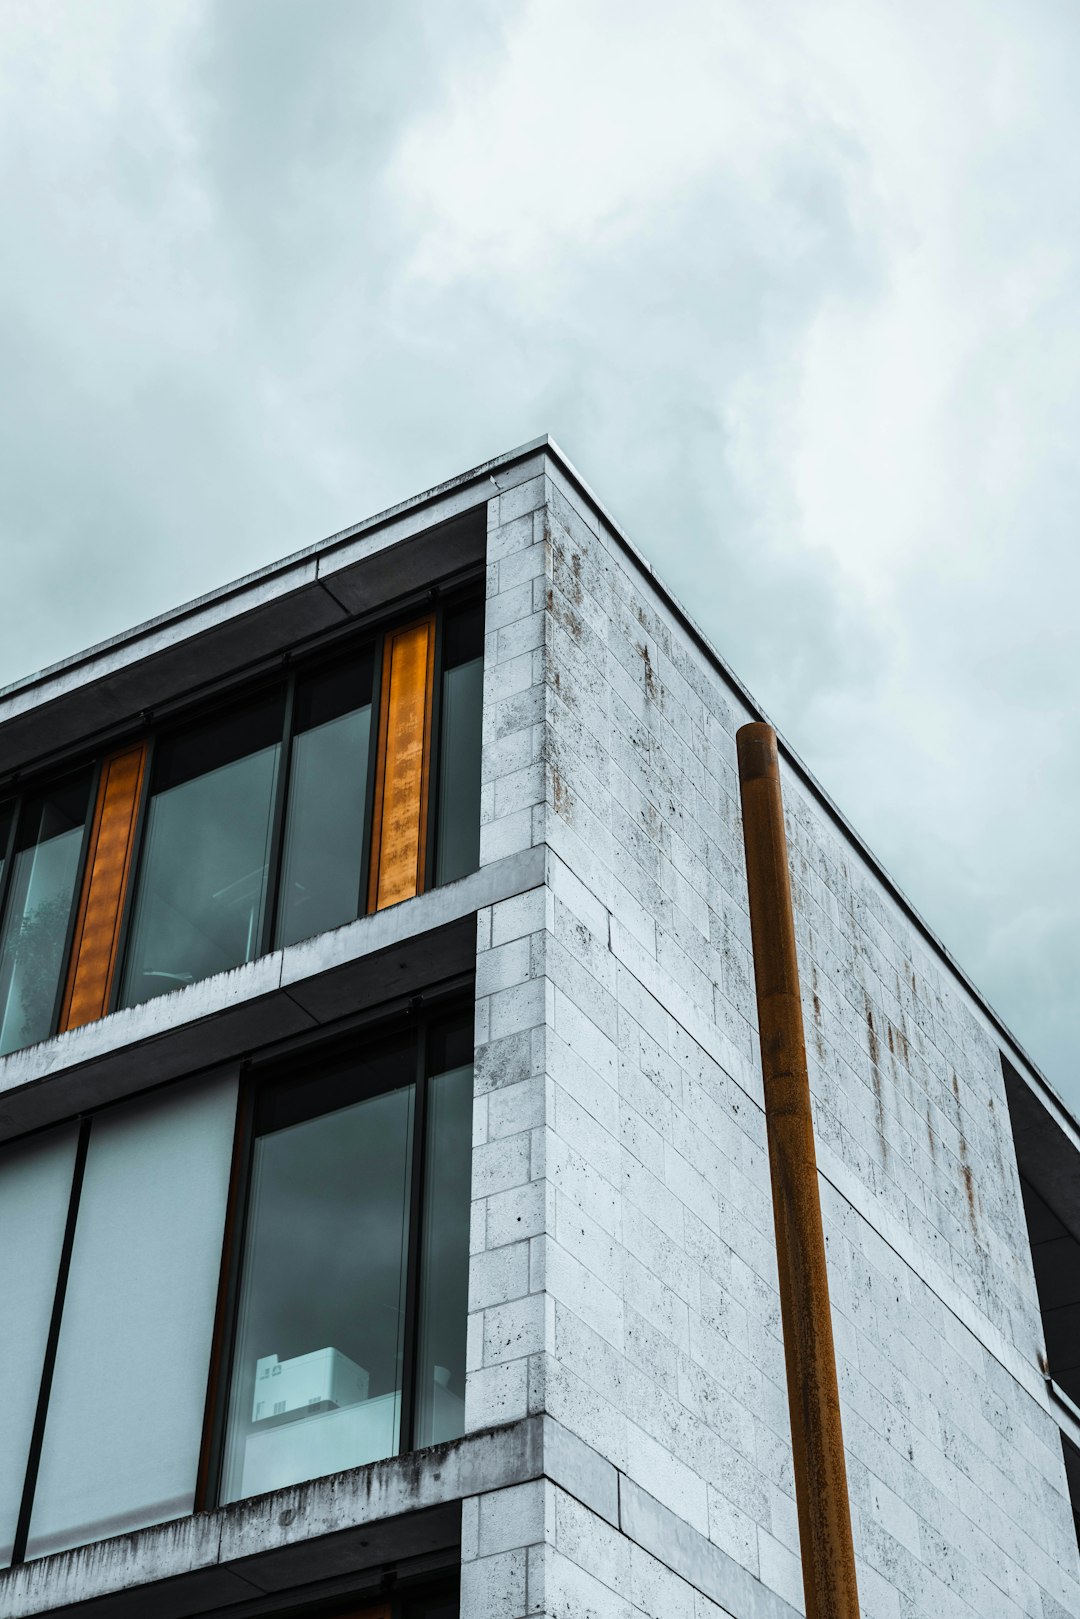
(828, 1555)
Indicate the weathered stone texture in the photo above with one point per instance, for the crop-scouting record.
(624, 1273)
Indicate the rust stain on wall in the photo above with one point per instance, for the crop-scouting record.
(875, 1072)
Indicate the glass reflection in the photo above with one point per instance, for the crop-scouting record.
(201, 895)
(44, 871)
(444, 1288)
(316, 1383)
(324, 826)
(458, 833)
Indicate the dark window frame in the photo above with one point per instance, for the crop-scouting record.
(441, 599)
(413, 1024)
(21, 794)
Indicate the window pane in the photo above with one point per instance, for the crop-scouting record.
(324, 827)
(202, 881)
(316, 1383)
(45, 867)
(122, 1439)
(35, 1187)
(459, 771)
(444, 1296)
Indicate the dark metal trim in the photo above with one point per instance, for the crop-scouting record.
(410, 1343)
(435, 785)
(77, 893)
(37, 1437)
(378, 655)
(321, 1041)
(272, 895)
(224, 687)
(9, 854)
(223, 1340)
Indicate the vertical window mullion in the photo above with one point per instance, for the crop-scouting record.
(410, 1355)
(277, 834)
(9, 852)
(219, 1377)
(77, 895)
(5, 880)
(34, 1454)
(434, 746)
(374, 776)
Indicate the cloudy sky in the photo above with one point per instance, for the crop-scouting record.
(795, 285)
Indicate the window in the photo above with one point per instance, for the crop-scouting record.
(322, 869)
(200, 902)
(459, 756)
(40, 876)
(111, 1251)
(349, 1335)
(344, 786)
(151, 1368)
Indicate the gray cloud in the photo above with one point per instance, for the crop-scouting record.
(798, 291)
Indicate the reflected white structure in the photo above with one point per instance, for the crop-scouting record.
(324, 1377)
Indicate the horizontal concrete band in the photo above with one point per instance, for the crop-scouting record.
(397, 951)
(277, 1542)
(407, 1507)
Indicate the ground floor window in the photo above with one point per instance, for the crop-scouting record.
(351, 1277)
(236, 1283)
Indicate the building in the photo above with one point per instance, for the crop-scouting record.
(377, 1014)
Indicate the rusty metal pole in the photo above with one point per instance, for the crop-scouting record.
(817, 1443)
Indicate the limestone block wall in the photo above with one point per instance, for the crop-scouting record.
(623, 1269)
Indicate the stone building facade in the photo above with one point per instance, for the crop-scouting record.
(624, 1446)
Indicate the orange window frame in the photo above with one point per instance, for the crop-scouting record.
(95, 942)
(398, 835)
(398, 859)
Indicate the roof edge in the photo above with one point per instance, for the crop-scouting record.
(545, 443)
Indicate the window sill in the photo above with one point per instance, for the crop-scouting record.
(403, 1509)
(287, 993)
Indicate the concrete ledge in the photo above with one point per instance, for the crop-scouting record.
(343, 1525)
(349, 1527)
(398, 951)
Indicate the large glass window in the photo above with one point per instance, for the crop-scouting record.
(121, 1442)
(35, 1190)
(340, 1313)
(201, 896)
(325, 1374)
(322, 862)
(41, 882)
(458, 834)
(444, 1292)
(351, 784)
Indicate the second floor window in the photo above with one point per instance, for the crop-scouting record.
(201, 899)
(346, 786)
